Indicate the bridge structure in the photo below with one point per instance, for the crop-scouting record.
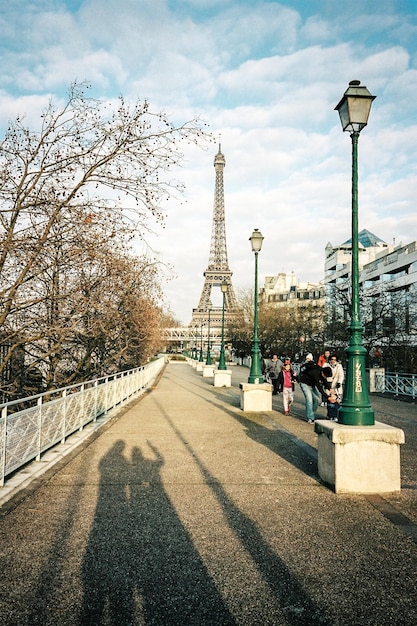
(196, 335)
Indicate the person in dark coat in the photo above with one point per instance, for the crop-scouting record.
(310, 380)
(273, 368)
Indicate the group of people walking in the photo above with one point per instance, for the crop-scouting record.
(321, 383)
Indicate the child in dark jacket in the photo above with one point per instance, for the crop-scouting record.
(333, 407)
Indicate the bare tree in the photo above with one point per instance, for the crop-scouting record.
(90, 167)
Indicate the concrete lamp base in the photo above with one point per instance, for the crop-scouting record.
(222, 378)
(255, 397)
(208, 371)
(359, 459)
(199, 366)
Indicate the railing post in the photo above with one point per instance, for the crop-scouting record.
(64, 421)
(3, 439)
(95, 400)
(39, 403)
(82, 391)
(106, 395)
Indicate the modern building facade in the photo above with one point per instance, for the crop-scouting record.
(388, 285)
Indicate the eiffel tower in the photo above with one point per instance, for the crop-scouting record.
(217, 272)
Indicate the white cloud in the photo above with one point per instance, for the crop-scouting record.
(267, 76)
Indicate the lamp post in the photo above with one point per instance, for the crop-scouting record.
(195, 349)
(201, 342)
(222, 358)
(356, 410)
(255, 374)
(208, 357)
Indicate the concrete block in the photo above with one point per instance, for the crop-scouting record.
(222, 378)
(359, 459)
(208, 371)
(255, 397)
(199, 366)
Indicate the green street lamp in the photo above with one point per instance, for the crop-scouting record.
(222, 358)
(201, 342)
(208, 357)
(195, 347)
(255, 374)
(356, 410)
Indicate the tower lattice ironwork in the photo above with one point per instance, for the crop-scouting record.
(218, 271)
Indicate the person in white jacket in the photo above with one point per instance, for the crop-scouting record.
(338, 376)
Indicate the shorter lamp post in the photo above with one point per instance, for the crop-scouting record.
(201, 342)
(255, 374)
(222, 358)
(356, 410)
(208, 358)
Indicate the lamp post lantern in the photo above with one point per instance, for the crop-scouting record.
(356, 410)
(208, 356)
(255, 374)
(222, 358)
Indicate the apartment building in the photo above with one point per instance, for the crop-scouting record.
(388, 287)
(287, 290)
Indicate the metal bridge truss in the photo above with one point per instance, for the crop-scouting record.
(191, 336)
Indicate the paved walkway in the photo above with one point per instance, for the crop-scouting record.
(184, 510)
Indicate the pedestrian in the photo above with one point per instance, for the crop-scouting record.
(333, 406)
(324, 358)
(311, 385)
(273, 368)
(264, 361)
(286, 380)
(376, 354)
(326, 383)
(338, 376)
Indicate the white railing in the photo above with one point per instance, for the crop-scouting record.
(30, 426)
(401, 384)
(396, 383)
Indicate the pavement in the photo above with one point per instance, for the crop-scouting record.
(182, 509)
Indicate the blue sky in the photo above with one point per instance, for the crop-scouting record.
(267, 76)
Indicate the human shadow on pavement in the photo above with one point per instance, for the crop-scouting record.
(140, 565)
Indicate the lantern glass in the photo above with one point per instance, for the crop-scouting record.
(354, 107)
(256, 240)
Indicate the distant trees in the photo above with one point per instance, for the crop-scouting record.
(292, 329)
(75, 301)
(389, 321)
(286, 329)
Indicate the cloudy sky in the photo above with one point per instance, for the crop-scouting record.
(266, 76)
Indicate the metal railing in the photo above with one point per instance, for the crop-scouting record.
(30, 426)
(398, 384)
